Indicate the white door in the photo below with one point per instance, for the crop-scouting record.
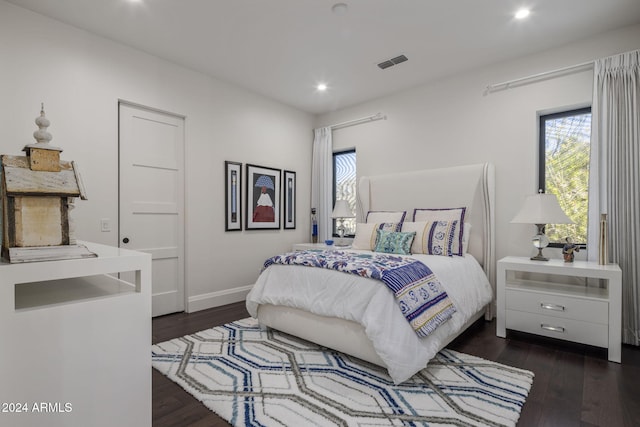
(151, 148)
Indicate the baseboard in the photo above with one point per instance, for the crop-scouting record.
(216, 299)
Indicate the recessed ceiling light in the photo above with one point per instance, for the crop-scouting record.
(321, 87)
(522, 13)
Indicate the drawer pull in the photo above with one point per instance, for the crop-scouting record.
(552, 328)
(549, 306)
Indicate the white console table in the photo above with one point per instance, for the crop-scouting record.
(75, 345)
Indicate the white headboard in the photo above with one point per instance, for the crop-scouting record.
(471, 186)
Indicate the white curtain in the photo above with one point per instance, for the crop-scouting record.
(322, 181)
(615, 176)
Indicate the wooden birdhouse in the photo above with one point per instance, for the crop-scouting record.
(38, 193)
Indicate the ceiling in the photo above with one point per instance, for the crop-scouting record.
(284, 48)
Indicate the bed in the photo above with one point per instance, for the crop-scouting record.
(359, 316)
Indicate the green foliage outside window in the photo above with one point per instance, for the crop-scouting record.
(566, 171)
(344, 171)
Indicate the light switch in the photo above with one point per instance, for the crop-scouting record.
(105, 225)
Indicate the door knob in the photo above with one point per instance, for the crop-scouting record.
(125, 240)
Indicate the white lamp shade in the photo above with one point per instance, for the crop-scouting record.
(342, 210)
(541, 209)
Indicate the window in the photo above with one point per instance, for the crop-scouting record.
(344, 186)
(564, 170)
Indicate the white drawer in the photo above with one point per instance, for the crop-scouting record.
(587, 310)
(567, 329)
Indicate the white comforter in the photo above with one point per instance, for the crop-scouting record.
(370, 303)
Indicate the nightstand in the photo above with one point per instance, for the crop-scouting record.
(309, 246)
(318, 246)
(579, 301)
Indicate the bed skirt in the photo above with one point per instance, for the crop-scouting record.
(338, 334)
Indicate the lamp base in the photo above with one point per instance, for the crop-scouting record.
(540, 241)
(539, 256)
(340, 243)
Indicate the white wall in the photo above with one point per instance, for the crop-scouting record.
(451, 122)
(80, 78)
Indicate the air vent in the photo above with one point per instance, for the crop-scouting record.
(386, 64)
(398, 59)
(393, 61)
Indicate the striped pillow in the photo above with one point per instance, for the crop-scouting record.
(446, 214)
(434, 237)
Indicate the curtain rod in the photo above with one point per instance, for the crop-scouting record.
(368, 119)
(538, 77)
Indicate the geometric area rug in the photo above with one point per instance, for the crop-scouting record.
(254, 377)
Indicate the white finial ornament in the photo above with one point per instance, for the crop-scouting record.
(41, 135)
(37, 153)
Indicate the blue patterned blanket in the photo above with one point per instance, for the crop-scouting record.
(423, 301)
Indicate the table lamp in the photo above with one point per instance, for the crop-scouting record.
(541, 209)
(341, 211)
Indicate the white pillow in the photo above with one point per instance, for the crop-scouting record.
(465, 237)
(446, 214)
(366, 234)
(386, 216)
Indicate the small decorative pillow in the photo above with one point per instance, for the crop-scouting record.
(445, 214)
(386, 216)
(366, 235)
(433, 237)
(394, 242)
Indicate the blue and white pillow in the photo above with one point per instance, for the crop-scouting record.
(446, 214)
(394, 242)
(434, 237)
(378, 217)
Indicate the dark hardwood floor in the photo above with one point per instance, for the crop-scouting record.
(171, 405)
(574, 385)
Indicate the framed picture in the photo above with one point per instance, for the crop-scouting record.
(289, 197)
(263, 198)
(232, 201)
